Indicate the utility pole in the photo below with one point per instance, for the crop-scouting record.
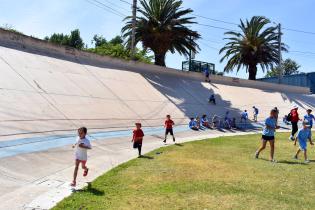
(133, 33)
(279, 54)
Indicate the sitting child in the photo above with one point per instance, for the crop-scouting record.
(204, 121)
(215, 121)
(193, 124)
(212, 99)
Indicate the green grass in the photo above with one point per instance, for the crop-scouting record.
(219, 173)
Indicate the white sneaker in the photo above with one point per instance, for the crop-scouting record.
(273, 161)
(307, 161)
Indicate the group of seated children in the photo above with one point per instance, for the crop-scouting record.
(202, 123)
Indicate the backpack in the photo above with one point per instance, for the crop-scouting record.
(289, 117)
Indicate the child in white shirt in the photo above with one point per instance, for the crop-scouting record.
(81, 147)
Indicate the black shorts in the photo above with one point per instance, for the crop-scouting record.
(137, 145)
(268, 138)
(169, 131)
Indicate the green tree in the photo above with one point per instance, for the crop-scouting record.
(162, 27)
(116, 40)
(72, 40)
(288, 66)
(257, 43)
(98, 41)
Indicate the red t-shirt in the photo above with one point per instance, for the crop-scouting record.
(137, 134)
(169, 124)
(294, 115)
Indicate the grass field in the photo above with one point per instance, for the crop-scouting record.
(218, 173)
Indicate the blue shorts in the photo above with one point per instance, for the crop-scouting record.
(303, 145)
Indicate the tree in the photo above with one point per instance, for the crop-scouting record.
(162, 27)
(116, 40)
(72, 40)
(257, 43)
(289, 67)
(98, 40)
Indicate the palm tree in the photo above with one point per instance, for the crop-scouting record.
(162, 27)
(255, 44)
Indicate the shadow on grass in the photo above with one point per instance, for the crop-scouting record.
(146, 157)
(284, 162)
(179, 145)
(90, 189)
(290, 162)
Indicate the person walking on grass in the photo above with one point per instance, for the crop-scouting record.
(268, 135)
(81, 146)
(294, 118)
(309, 117)
(168, 124)
(303, 135)
(137, 138)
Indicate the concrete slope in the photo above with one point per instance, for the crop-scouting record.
(44, 95)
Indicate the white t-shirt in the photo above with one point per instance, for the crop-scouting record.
(81, 153)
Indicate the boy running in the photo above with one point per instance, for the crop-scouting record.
(303, 135)
(309, 118)
(168, 124)
(81, 147)
(268, 135)
(137, 138)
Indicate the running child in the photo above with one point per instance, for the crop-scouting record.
(310, 118)
(268, 135)
(81, 146)
(137, 138)
(168, 124)
(303, 135)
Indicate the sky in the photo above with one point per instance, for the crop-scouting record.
(40, 18)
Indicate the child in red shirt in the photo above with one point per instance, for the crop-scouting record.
(137, 138)
(168, 124)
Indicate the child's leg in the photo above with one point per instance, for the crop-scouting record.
(139, 149)
(75, 172)
(262, 147)
(297, 152)
(272, 149)
(305, 154)
(83, 165)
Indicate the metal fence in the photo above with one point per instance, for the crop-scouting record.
(302, 80)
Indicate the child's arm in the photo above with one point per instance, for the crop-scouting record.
(84, 146)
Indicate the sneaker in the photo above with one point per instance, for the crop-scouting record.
(86, 171)
(291, 138)
(273, 161)
(164, 141)
(256, 155)
(295, 157)
(73, 184)
(307, 161)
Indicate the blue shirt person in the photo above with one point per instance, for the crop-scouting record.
(303, 135)
(309, 117)
(193, 124)
(270, 127)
